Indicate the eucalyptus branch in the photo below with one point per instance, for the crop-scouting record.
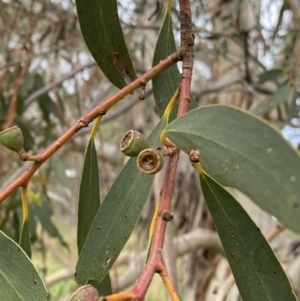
(84, 121)
(155, 263)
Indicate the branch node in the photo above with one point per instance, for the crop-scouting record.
(167, 151)
(81, 123)
(167, 215)
(101, 113)
(143, 87)
(177, 55)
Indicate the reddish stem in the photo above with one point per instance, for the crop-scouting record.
(155, 261)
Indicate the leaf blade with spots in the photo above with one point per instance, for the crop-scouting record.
(257, 271)
(88, 205)
(102, 32)
(19, 278)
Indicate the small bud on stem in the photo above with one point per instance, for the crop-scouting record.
(194, 155)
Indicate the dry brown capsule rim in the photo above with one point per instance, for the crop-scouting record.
(150, 161)
(126, 140)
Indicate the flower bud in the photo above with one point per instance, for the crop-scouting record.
(150, 161)
(12, 138)
(132, 143)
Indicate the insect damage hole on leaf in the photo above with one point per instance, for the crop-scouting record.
(106, 262)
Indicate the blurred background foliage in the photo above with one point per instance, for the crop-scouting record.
(246, 55)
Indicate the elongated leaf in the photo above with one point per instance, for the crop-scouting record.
(165, 83)
(19, 279)
(116, 219)
(280, 96)
(104, 287)
(89, 194)
(88, 206)
(102, 32)
(242, 151)
(270, 75)
(42, 212)
(45, 103)
(257, 271)
(24, 239)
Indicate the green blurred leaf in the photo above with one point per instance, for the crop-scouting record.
(116, 219)
(292, 110)
(27, 85)
(165, 83)
(280, 95)
(102, 32)
(270, 75)
(20, 105)
(45, 103)
(242, 151)
(28, 139)
(19, 279)
(224, 48)
(257, 271)
(60, 170)
(42, 211)
(48, 107)
(89, 194)
(24, 239)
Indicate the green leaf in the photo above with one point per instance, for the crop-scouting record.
(89, 194)
(102, 32)
(165, 83)
(270, 75)
(42, 211)
(116, 219)
(45, 103)
(242, 151)
(28, 139)
(280, 95)
(257, 271)
(104, 287)
(48, 107)
(88, 206)
(19, 279)
(24, 239)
